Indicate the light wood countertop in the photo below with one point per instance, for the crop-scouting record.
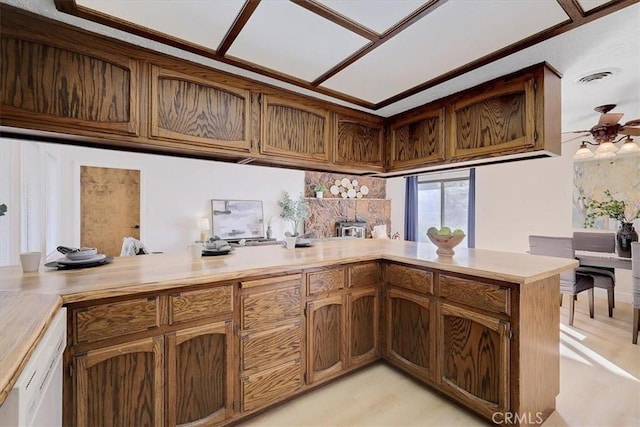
(24, 317)
(23, 323)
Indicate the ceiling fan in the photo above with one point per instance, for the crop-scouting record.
(605, 132)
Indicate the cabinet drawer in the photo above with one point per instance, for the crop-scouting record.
(263, 350)
(409, 278)
(264, 388)
(264, 309)
(485, 296)
(365, 274)
(112, 320)
(319, 282)
(199, 304)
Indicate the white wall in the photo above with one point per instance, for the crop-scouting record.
(514, 200)
(175, 193)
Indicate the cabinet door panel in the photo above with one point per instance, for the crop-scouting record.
(199, 374)
(418, 140)
(359, 143)
(495, 121)
(294, 130)
(326, 337)
(367, 274)
(474, 359)
(363, 326)
(63, 88)
(121, 385)
(410, 340)
(192, 110)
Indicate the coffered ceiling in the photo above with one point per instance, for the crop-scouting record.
(386, 56)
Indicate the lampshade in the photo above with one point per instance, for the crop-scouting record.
(204, 228)
(629, 147)
(606, 147)
(583, 153)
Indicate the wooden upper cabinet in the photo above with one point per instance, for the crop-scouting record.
(494, 121)
(49, 85)
(359, 143)
(195, 111)
(418, 139)
(294, 130)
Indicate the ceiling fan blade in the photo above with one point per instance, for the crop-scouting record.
(635, 122)
(582, 133)
(604, 109)
(610, 118)
(629, 131)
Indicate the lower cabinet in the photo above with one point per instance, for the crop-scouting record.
(271, 340)
(120, 385)
(200, 375)
(326, 337)
(363, 326)
(474, 359)
(410, 332)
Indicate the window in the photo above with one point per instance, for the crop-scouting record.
(446, 199)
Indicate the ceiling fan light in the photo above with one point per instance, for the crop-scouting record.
(604, 155)
(583, 153)
(606, 147)
(629, 147)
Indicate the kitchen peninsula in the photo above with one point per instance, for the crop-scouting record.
(217, 339)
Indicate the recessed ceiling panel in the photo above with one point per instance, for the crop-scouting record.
(200, 22)
(587, 5)
(379, 15)
(456, 33)
(288, 38)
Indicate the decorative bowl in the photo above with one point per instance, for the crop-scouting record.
(445, 243)
(81, 254)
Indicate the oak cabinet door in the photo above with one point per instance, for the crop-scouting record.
(474, 359)
(200, 375)
(326, 338)
(359, 143)
(499, 120)
(410, 333)
(53, 86)
(121, 385)
(363, 326)
(198, 112)
(293, 130)
(418, 140)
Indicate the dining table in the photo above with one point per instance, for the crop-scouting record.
(602, 259)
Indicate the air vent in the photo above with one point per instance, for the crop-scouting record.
(597, 76)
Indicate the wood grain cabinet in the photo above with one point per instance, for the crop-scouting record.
(271, 340)
(516, 114)
(363, 314)
(410, 341)
(60, 85)
(199, 112)
(474, 354)
(293, 130)
(326, 335)
(359, 143)
(417, 139)
(120, 385)
(200, 373)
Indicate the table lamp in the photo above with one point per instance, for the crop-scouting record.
(204, 229)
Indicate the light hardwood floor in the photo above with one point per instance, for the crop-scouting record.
(599, 386)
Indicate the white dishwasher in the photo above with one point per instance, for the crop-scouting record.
(36, 398)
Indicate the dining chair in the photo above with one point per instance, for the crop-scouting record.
(635, 290)
(571, 282)
(604, 277)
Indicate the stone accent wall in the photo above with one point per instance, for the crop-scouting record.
(377, 186)
(325, 212)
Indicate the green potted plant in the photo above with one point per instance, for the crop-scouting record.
(293, 210)
(320, 189)
(616, 209)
